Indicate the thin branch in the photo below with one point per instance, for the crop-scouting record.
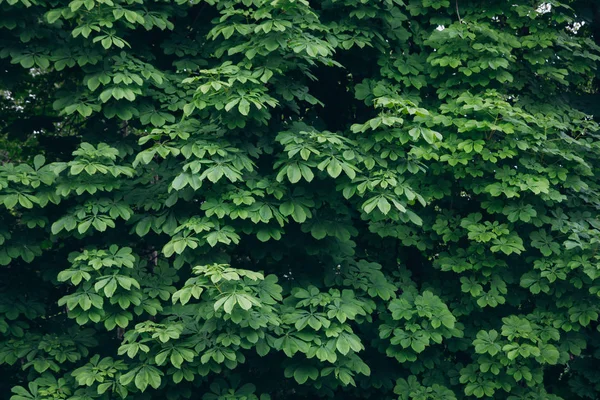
(202, 7)
(458, 12)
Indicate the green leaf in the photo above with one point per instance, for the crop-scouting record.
(244, 107)
(384, 205)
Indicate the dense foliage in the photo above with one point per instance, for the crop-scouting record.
(254, 199)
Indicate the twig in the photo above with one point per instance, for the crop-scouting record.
(458, 12)
(202, 7)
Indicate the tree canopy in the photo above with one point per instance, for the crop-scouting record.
(299, 199)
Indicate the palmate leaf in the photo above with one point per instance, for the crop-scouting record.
(243, 300)
(20, 393)
(143, 377)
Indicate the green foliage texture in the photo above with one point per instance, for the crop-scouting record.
(299, 199)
